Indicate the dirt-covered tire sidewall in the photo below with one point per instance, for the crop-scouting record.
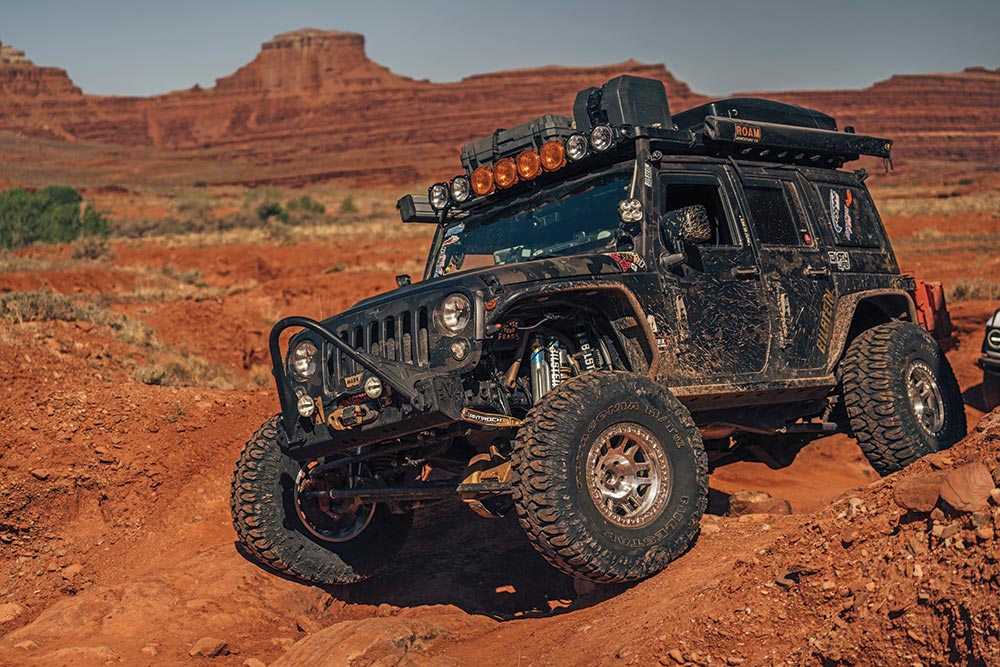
(991, 390)
(874, 388)
(267, 522)
(550, 478)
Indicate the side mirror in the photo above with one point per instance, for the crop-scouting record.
(689, 224)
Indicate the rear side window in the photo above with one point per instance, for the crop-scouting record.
(850, 215)
(773, 217)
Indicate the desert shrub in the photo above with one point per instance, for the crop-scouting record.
(966, 289)
(269, 210)
(42, 305)
(92, 247)
(347, 205)
(306, 204)
(51, 215)
(193, 203)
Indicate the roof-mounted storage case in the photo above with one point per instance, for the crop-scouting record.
(508, 143)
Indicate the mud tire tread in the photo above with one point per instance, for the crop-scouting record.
(279, 541)
(875, 398)
(552, 523)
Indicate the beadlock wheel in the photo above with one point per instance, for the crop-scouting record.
(925, 397)
(629, 475)
(328, 520)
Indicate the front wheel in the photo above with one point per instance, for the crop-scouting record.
(610, 478)
(311, 539)
(901, 395)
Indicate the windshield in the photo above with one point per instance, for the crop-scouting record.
(578, 220)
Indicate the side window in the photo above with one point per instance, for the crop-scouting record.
(679, 195)
(851, 216)
(773, 215)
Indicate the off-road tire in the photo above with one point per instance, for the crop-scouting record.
(991, 390)
(262, 501)
(873, 381)
(549, 474)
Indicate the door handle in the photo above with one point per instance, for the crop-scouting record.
(746, 272)
(816, 274)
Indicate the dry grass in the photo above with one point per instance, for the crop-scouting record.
(167, 366)
(967, 289)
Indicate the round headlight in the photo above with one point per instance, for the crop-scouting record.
(454, 313)
(460, 189)
(576, 147)
(438, 196)
(304, 360)
(373, 387)
(602, 137)
(630, 210)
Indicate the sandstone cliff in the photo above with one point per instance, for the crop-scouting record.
(312, 103)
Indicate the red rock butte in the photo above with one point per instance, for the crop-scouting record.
(312, 99)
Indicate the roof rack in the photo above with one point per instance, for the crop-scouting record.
(605, 124)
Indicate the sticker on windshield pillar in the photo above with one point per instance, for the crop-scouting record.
(457, 229)
(628, 261)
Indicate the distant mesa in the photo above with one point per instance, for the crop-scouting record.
(313, 96)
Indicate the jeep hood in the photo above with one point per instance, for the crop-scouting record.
(555, 268)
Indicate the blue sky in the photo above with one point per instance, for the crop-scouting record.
(140, 47)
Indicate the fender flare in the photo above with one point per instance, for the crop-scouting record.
(847, 308)
(647, 339)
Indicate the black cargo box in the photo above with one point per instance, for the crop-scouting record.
(508, 143)
(755, 109)
(624, 100)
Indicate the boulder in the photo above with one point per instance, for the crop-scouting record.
(757, 502)
(968, 488)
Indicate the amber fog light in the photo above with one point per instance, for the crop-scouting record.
(505, 172)
(553, 155)
(482, 181)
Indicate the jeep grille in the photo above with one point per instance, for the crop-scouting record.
(401, 337)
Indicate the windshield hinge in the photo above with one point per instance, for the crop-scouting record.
(493, 283)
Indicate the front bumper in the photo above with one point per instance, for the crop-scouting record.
(989, 363)
(418, 399)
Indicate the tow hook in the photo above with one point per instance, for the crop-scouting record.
(351, 416)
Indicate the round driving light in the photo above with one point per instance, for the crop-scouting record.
(304, 360)
(460, 349)
(460, 189)
(993, 338)
(482, 181)
(576, 147)
(601, 138)
(454, 313)
(438, 196)
(553, 155)
(529, 165)
(373, 387)
(505, 172)
(630, 210)
(305, 405)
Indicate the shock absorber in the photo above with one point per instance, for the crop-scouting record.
(554, 357)
(541, 380)
(588, 357)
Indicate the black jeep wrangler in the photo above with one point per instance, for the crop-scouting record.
(614, 302)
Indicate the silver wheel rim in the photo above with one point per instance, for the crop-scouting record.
(925, 397)
(628, 475)
(327, 520)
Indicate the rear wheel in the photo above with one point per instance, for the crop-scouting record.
(312, 539)
(901, 395)
(610, 478)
